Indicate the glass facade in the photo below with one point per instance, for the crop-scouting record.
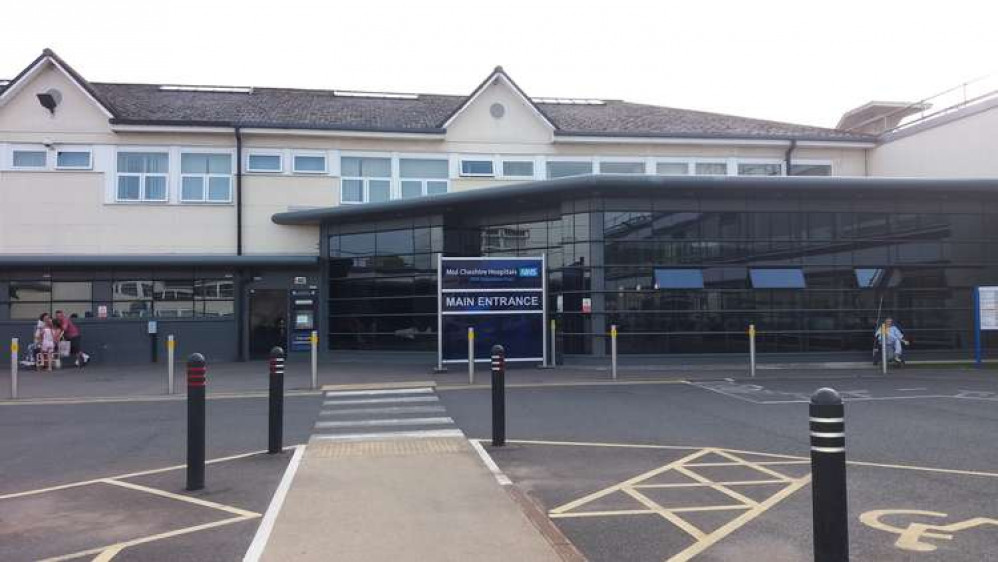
(683, 272)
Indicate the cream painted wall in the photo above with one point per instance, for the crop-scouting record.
(76, 113)
(65, 213)
(265, 195)
(965, 147)
(520, 123)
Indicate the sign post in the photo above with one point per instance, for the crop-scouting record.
(503, 299)
(985, 318)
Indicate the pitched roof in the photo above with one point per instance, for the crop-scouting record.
(290, 108)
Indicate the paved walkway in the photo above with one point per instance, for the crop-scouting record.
(382, 479)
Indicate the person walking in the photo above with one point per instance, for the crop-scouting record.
(48, 344)
(71, 333)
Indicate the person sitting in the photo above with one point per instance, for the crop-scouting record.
(895, 338)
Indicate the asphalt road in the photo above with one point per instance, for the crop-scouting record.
(571, 449)
(67, 446)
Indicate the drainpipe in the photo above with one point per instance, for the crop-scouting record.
(240, 278)
(790, 151)
(239, 191)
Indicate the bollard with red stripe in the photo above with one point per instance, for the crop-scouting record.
(275, 433)
(196, 379)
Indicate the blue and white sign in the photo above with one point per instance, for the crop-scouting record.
(504, 299)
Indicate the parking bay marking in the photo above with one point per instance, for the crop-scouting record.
(909, 538)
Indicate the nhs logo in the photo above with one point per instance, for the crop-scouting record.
(529, 272)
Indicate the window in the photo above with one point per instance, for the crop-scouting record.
(621, 167)
(205, 177)
(72, 160)
(869, 278)
(518, 168)
(810, 169)
(477, 168)
(777, 278)
(424, 177)
(309, 164)
(264, 163)
(562, 169)
(142, 176)
(678, 279)
(753, 169)
(672, 169)
(29, 158)
(711, 168)
(365, 180)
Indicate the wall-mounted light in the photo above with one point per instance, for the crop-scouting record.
(50, 99)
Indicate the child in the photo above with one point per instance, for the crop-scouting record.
(47, 338)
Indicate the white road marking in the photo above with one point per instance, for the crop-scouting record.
(390, 410)
(332, 394)
(381, 400)
(270, 517)
(501, 478)
(390, 435)
(912, 389)
(384, 422)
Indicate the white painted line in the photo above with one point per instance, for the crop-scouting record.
(390, 410)
(390, 435)
(270, 517)
(728, 394)
(826, 434)
(827, 420)
(384, 422)
(863, 399)
(912, 389)
(331, 393)
(381, 400)
(501, 478)
(828, 449)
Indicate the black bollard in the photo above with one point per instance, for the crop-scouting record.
(275, 434)
(828, 474)
(196, 379)
(498, 396)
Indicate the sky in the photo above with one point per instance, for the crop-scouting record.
(797, 61)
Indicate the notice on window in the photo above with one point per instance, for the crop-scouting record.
(988, 298)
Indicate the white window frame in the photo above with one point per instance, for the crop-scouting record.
(280, 161)
(365, 185)
(813, 162)
(502, 160)
(31, 148)
(727, 162)
(90, 158)
(142, 176)
(205, 178)
(471, 158)
(313, 154)
(397, 172)
(739, 161)
(581, 159)
(688, 162)
(621, 160)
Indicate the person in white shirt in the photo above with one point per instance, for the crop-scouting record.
(894, 338)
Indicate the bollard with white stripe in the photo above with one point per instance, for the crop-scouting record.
(828, 472)
(314, 344)
(613, 352)
(498, 396)
(171, 346)
(14, 349)
(751, 346)
(275, 426)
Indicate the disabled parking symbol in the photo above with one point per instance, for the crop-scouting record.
(913, 536)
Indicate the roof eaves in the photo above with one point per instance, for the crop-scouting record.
(258, 125)
(833, 136)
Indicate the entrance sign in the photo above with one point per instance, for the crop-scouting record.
(503, 299)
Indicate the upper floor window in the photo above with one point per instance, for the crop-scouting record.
(566, 168)
(309, 164)
(777, 278)
(801, 169)
(30, 159)
(477, 168)
(73, 160)
(711, 168)
(672, 169)
(205, 177)
(142, 176)
(759, 169)
(421, 177)
(518, 168)
(621, 167)
(264, 163)
(365, 180)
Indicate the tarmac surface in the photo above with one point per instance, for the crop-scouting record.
(711, 469)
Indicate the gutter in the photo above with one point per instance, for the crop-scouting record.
(789, 153)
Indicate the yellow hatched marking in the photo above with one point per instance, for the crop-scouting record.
(754, 466)
(669, 515)
(717, 486)
(742, 463)
(179, 497)
(710, 484)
